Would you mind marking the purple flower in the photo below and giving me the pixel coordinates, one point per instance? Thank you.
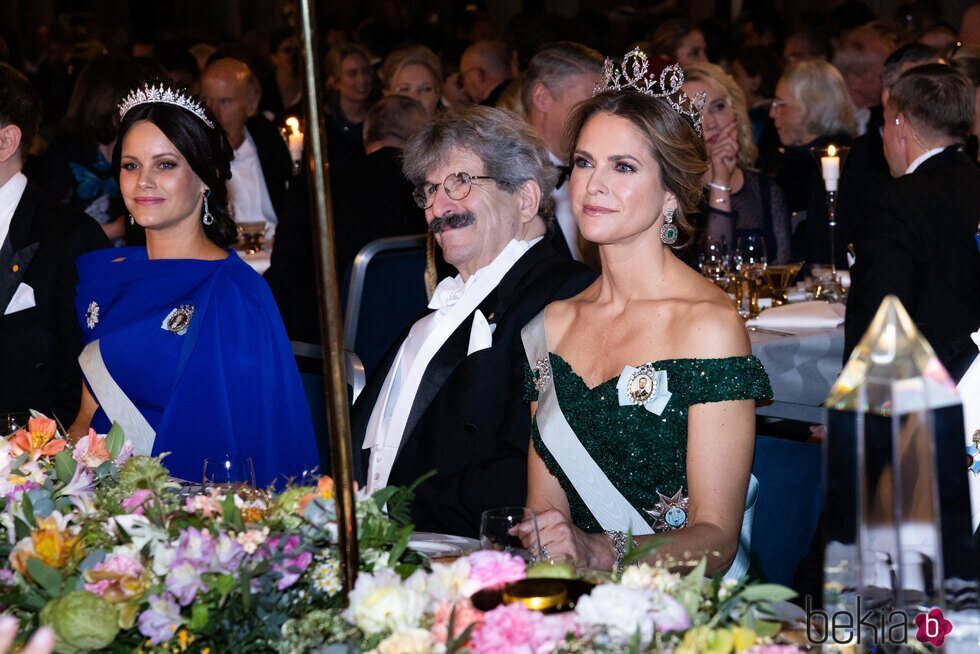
(196, 545)
(292, 567)
(137, 501)
(228, 555)
(159, 623)
(184, 581)
(7, 577)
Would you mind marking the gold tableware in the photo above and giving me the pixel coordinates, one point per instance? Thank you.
(779, 277)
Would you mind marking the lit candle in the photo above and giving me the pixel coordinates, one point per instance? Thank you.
(294, 139)
(831, 168)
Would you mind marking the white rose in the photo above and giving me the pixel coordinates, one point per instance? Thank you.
(451, 582)
(646, 577)
(413, 641)
(619, 612)
(380, 602)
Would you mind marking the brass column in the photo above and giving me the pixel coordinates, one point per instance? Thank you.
(331, 326)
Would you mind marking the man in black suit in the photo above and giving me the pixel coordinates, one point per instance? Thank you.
(449, 397)
(40, 338)
(262, 167)
(918, 241)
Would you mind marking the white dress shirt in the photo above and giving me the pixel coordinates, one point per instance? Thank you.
(453, 302)
(10, 194)
(247, 193)
(563, 213)
(921, 159)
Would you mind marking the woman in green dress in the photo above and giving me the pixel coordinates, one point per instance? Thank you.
(643, 386)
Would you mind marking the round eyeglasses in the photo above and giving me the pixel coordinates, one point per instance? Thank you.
(457, 187)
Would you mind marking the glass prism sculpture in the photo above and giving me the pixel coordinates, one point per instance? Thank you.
(898, 534)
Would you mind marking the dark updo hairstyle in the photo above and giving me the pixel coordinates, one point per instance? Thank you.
(674, 144)
(206, 150)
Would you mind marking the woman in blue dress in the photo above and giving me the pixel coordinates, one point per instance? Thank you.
(184, 346)
(643, 384)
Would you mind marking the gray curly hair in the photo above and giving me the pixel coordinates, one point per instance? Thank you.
(510, 150)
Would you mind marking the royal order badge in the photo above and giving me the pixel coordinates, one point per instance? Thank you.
(972, 452)
(669, 513)
(178, 320)
(642, 385)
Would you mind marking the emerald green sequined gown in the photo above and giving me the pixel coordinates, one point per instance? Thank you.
(641, 453)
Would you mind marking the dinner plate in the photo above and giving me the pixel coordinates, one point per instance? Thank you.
(442, 544)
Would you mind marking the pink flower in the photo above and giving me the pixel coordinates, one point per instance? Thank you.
(91, 450)
(774, 649)
(508, 629)
(465, 615)
(118, 578)
(491, 568)
(136, 502)
(292, 567)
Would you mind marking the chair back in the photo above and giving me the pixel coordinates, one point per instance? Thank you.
(386, 295)
(788, 508)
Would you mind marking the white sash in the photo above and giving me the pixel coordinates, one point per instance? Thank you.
(610, 508)
(117, 406)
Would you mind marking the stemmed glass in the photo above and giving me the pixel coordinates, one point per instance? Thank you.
(714, 262)
(497, 531)
(751, 262)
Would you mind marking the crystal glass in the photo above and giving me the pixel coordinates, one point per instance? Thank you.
(497, 531)
(751, 262)
(229, 470)
(252, 235)
(714, 260)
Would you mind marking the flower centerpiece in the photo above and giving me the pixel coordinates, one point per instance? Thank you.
(102, 546)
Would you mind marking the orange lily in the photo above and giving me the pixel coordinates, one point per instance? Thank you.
(52, 545)
(324, 489)
(38, 440)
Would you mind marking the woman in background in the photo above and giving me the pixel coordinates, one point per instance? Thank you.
(350, 83)
(414, 71)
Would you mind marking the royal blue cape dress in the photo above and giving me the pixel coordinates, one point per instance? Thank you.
(222, 383)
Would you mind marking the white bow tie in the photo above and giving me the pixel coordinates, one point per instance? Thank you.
(448, 292)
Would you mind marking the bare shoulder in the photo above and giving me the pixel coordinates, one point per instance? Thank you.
(713, 329)
(558, 315)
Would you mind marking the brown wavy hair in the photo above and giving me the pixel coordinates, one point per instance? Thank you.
(678, 150)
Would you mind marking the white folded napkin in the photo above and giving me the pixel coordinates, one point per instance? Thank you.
(23, 299)
(969, 390)
(481, 334)
(803, 315)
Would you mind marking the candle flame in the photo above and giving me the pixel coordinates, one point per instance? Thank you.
(293, 124)
(831, 151)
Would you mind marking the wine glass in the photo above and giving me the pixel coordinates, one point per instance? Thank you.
(751, 262)
(229, 471)
(11, 422)
(497, 531)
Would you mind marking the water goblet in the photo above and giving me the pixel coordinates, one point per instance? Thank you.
(497, 532)
(229, 471)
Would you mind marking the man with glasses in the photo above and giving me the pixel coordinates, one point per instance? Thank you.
(449, 398)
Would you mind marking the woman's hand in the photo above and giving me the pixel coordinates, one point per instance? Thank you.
(41, 643)
(563, 541)
(723, 155)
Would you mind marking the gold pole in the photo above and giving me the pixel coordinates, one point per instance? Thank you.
(331, 331)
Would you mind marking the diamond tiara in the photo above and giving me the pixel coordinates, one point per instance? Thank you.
(163, 94)
(632, 74)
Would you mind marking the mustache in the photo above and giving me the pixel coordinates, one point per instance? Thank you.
(452, 221)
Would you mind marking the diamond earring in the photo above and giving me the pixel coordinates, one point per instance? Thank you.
(132, 221)
(208, 218)
(668, 231)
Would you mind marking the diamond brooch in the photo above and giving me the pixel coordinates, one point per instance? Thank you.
(642, 385)
(542, 374)
(92, 315)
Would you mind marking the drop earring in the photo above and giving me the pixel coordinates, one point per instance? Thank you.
(208, 218)
(668, 231)
(132, 221)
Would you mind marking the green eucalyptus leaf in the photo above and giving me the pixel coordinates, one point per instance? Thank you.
(46, 577)
(64, 466)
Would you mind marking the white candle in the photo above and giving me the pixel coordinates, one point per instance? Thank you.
(831, 169)
(295, 139)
